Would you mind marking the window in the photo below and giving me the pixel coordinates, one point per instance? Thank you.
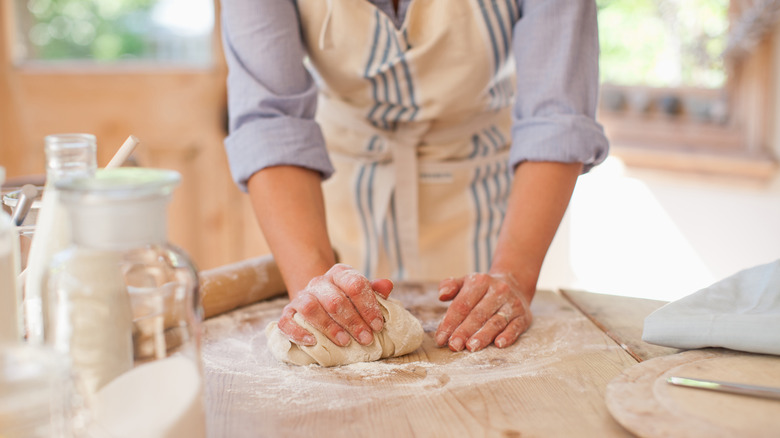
(663, 43)
(685, 82)
(162, 32)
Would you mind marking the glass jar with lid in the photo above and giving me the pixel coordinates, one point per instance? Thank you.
(124, 306)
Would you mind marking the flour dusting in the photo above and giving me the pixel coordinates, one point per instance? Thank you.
(235, 352)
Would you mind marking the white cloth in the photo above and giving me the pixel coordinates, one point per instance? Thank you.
(741, 312)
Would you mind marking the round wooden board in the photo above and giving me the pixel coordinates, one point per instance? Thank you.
(643, 402)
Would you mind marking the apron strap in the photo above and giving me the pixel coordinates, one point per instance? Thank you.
(407, 204)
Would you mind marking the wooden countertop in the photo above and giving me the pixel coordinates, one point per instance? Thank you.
(550, 383)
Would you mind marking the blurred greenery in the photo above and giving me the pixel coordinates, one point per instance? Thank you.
(663, 43)
(79, 29)
(170, 31)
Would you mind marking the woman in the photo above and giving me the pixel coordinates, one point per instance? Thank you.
(449, 135)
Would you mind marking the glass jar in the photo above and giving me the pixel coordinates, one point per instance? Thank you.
(36, 399)
(67, 156)
(27, 228)
(125, 306)
(10, 332)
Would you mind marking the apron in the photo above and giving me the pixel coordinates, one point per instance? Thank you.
(417, 122)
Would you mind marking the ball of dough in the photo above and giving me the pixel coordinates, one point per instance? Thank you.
(402, 334)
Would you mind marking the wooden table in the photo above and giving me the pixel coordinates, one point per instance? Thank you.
(550, 383)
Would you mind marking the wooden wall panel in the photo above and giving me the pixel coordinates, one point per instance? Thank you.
(177, 114)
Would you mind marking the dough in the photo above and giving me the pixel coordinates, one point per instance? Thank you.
(401, 335)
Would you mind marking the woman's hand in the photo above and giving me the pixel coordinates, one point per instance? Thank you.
(486, 309)
(341, 304)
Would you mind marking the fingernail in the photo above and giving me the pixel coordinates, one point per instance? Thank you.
(456, 344)
(501, 343)
(473, 345)
(342, 339)
(309, 340)
(441, 339)
(365, 338)
(377, 324)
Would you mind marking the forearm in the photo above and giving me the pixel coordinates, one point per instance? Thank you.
(540, 194)
(289, 206)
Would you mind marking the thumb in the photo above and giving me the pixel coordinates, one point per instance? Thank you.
(383, 287)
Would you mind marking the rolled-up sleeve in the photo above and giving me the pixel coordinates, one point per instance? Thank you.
(555, 45)
(272, 98)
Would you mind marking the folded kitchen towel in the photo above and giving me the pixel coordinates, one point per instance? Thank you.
(741, 312)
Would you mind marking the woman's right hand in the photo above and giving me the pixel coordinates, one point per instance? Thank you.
(341, 304)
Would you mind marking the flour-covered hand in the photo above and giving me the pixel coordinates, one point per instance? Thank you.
(485, 309)
(341, 304)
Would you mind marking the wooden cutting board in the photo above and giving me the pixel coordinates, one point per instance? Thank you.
(550, 383)
(642, 401)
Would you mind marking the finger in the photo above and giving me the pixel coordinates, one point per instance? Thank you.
(292, 330)
(358, 290)
(340, 308)
(474, 288)
(513, 330)
(309, 306)
(487, 307)
(339, 269)
(449, 287)
(383, 287)
(485, 335)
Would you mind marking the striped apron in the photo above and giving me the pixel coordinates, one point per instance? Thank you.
(417, 123)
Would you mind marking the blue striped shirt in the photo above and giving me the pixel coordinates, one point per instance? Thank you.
(272, 98)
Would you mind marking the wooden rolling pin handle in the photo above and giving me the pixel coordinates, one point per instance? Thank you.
(238, 284)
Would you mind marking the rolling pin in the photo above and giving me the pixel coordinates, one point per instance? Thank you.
(222, 289)
(238, 284)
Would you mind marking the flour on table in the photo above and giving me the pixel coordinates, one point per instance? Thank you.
(402, 334)
(235, 353)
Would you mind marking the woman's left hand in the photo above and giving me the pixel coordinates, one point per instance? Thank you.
(485, 309)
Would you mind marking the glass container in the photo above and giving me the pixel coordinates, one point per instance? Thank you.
(26, 229)
(67, 156)
(125, 306)
(10, 332)
(36, 398)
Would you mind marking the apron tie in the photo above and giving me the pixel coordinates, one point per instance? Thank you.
(325, 41)
(405, 169)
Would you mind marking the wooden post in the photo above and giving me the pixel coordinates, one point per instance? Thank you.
(11, 138)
